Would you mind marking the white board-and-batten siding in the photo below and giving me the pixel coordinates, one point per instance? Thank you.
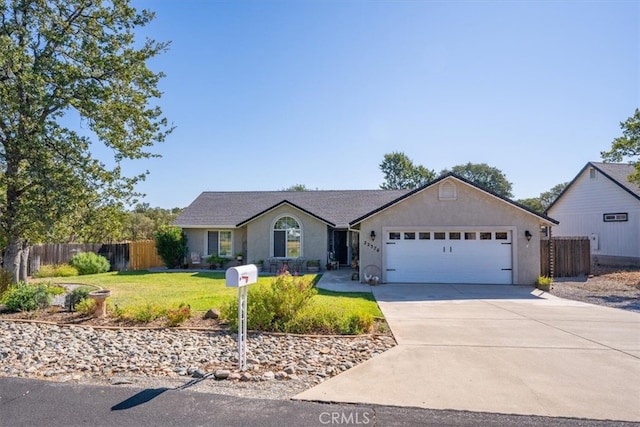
(581, 208)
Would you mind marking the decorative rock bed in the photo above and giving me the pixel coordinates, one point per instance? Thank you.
(64, 353)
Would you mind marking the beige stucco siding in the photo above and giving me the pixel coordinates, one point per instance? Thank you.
(260, 235)
(472, 209)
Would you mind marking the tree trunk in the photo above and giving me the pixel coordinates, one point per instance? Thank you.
(24, 262)
(11, 261)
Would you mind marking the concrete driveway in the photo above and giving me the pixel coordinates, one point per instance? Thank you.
(500, 349)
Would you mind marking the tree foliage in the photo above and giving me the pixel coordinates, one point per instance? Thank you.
(400, 172)
(171, 243)
(627, 146)
(143, 221)
(72, 77)
(297, 187)
(485, 176)
(541, 203)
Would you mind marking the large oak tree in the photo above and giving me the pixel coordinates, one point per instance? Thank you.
(627, 146)
(400, 173)
(485, 176)
(73, 77)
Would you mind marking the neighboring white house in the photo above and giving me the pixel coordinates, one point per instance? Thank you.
(604, 205)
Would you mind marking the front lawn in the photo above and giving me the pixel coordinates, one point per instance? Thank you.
(202, 291)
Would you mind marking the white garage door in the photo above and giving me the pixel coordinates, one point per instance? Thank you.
(473, 256)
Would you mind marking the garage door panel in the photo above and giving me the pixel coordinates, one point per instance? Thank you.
(472, 257)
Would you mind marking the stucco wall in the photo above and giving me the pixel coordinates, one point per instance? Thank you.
(471, 208)
(260, 236)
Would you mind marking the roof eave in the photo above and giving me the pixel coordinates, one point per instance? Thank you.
(277, 205)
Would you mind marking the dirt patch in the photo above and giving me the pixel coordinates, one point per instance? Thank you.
(607, 286)
(58, 316)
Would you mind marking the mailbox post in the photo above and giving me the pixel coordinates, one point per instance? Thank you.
(241, 277)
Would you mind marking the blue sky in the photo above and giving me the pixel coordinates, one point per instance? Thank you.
(267, 94)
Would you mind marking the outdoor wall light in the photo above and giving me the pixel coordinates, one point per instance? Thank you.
(373, 235)
(527, 234)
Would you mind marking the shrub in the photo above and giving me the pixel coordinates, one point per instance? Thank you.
(326, 320)
(90, 263)
(86, 306)
(359, 323)
(544, 281)
(77, 296)
(314, 319)
(141, 313)
(178, 315)
(24, 297)
(56, 289)
(272, 307)
(171, 243)
(59, 270)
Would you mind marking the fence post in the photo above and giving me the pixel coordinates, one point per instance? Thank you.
(551, 255)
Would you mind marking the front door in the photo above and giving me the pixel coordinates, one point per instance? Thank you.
(340, 246)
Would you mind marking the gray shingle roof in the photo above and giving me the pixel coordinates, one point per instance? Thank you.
(619, 172)
(229, 209)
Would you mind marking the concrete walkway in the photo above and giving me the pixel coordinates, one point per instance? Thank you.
(498, 349)
(341, 281)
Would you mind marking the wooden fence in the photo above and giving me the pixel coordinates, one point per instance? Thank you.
(143, 255)
(565, 256)
(139, 255)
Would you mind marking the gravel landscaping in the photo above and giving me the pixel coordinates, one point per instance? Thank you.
(608, 287)
(279, 366)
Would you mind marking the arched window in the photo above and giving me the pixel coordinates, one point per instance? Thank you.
(287, 237)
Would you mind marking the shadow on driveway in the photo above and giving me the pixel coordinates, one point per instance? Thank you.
(408, 292)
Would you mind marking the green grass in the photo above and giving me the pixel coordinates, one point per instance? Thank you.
(201, 291)
(348, 301)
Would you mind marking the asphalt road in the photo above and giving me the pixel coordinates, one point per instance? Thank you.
(33, 403)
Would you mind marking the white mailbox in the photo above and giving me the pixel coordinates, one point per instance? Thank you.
(242, 275)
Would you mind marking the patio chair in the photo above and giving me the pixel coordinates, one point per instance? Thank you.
(195, 259)
(299, 264)
(273, 263)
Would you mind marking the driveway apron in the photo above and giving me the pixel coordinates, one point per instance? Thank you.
(500, 349)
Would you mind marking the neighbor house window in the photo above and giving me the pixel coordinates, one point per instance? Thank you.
(287, 237)
(220, 243)
(615, 217)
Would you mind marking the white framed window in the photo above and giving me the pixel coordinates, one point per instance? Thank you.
(287, 238)
(615, 217)
(220, 242)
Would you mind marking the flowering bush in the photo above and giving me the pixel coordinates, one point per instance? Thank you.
(272, 307)
(178, 315)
